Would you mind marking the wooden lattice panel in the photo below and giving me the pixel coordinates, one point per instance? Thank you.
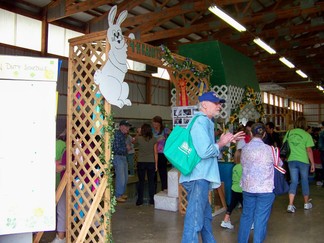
(222, 92)
(193, 84)
(88, 197)
(182, 200)
(216, 199)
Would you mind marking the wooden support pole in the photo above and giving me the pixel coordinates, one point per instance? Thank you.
(219, 195)
(58, 195)
(93, 209)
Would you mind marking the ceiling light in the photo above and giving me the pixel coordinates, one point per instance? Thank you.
(263, 45)
(227, 18)
(286, 62)
(320, 87)
(302, 74)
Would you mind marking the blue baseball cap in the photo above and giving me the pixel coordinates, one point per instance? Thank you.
(210, 96)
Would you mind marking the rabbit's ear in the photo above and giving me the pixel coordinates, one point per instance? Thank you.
(112, 15)
(122, 16)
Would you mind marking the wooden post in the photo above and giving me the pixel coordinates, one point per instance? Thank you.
(90, 215)
(58, 195)
(219, 197)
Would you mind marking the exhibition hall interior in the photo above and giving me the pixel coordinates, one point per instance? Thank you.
(78, 77)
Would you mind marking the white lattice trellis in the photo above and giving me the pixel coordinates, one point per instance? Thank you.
(233, 96)
(236, 95)
(222, 92)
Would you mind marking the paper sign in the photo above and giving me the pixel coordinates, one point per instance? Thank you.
(28, 68)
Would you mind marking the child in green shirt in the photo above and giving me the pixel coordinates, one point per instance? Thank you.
(236, 196)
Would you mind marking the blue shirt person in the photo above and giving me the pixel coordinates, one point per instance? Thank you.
(205, 176)
(120, 161)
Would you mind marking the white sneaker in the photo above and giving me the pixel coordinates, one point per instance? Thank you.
(308, 206)
(319, 183)
(227, 225)
(58, 240)
(291, 209)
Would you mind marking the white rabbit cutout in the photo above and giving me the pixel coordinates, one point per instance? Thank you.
(111, 78)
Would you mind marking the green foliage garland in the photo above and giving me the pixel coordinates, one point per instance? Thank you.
(228, 152)
(109, 128)
(169, 61)
(249, 97)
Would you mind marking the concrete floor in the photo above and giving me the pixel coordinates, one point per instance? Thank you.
(144, 224)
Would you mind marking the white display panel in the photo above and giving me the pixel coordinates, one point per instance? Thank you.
(27, 155)
(181, 115)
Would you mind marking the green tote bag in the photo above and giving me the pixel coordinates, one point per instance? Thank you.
(179, 149)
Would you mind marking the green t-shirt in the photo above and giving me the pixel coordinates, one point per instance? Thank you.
(299, 140)
(236, 178)
(60, 147)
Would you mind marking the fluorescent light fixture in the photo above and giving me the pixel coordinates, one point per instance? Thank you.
(227, 18)
(286, 62)
(300, 73)
(320, 87)
(263, 45)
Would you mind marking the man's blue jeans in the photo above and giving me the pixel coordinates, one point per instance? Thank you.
(130, 161)
(296, 168)
(257, 210)
(121, 174)
(198, 213)
(322, 161)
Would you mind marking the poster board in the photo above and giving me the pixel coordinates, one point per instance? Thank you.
(181, 115)
(27, 142)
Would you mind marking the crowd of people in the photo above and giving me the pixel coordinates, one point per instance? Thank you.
(252, 175)
(151, 163)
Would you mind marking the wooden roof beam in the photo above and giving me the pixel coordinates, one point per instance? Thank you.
(125, 5)
(229, 2)
(281, 46)
(183, 31)
(199, 27)
(271, 33)
(167, 13)
(282, 14)
(11, 7)
(66, 8)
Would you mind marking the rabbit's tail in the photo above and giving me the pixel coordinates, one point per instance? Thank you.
(97, 77)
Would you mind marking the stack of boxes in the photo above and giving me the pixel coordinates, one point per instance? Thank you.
(168, 200)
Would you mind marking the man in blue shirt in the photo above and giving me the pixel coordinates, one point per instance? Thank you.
(205, 176)
(120, 160)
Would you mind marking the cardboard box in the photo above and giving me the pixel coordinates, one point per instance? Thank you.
(164, 202)
(173, 183)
